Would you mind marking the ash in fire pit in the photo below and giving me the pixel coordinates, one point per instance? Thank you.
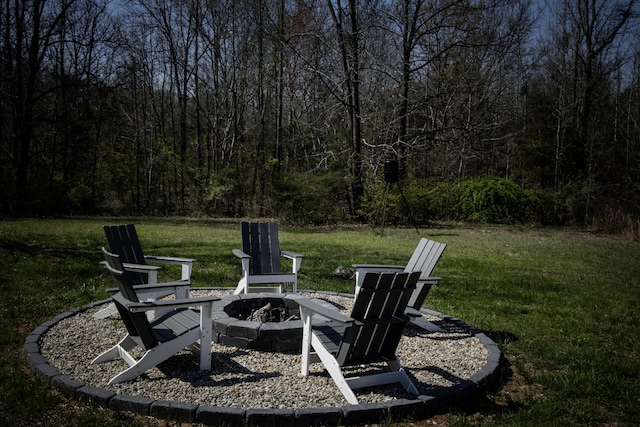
(265, 322)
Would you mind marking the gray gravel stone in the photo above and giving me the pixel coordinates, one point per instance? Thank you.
(243, 379)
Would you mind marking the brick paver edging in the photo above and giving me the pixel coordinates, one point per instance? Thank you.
(422, 407)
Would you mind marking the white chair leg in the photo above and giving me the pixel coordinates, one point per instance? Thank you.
(407, 383)
(205, 336)
(154, 356)
(133, 371)
(332, 366)
(306, 340)
(242, 287)
(396, 366)
(125, 344)
(182, 292)
(186, 271)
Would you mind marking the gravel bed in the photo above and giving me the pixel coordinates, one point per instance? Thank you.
(252, 379)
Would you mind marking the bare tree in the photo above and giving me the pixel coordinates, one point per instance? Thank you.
(29, 33)
(459, 65)
(585, 47)
(56, 55)
(589, 37)
(347, 26)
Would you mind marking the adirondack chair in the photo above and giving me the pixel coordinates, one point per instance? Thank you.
(180, 328)
(123, 240)
(260, 256)
(424, 259)
(370, 335)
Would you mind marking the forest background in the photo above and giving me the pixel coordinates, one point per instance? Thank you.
(496, 110)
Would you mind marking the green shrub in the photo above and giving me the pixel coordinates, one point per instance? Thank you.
(493, 200)
(423, 202)
(488, 200)
(437, 202)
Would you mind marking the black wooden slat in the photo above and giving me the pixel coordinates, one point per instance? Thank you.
(174, 324)
(163, 333)
(260, 242)
(123, 241)
(127, 239)
(274, 247)
(422, 290)
(330, 334)
(380, 301)
(265, 256)
(361, 305)
(406, 296)
(189, 319)
(361, 351)
(133, 244)
(379, 339)
(393, 335)
(349, 340)
(398, 289)
(254, 237)
(132, 322)
(246, 241)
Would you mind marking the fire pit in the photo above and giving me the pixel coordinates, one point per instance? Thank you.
(266, 322)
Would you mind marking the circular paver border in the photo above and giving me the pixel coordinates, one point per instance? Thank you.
(422, 407)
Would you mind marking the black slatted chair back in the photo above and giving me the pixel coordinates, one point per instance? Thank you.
(379, 318)
(123, 241)
(260, 241)
(137, 324)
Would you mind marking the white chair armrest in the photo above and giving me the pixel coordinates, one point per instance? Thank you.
(378, 267)
(297, 260)
(291, 255)
(137, 307)
(141, 268)
(187, 263)
(169, 259)
(240, 254)
(168, 286)
(150, 270)
(329, 313)
(245, 259)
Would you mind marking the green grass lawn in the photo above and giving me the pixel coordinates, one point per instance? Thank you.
(562, 304)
